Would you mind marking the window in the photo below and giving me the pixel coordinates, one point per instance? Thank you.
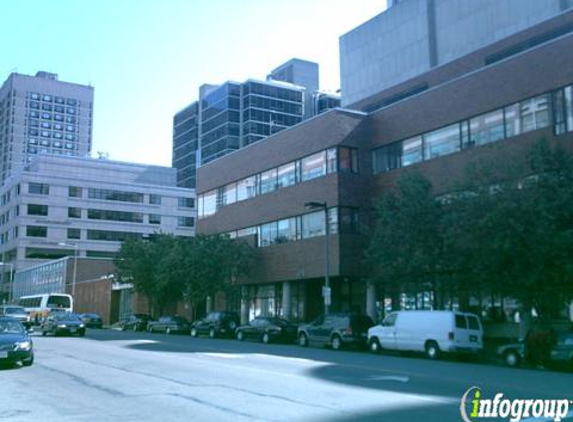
(74, 192)
(268, 181)
(74, 233)
(443, 141)
(39, 188)
(461, 322)
(185, 221)
(208, 204)
(36, 231)
(109, 215)
(487, 128)
(247, 188)
(268, 234)
(74, 212)
(312, 224)
(313, 166)
(114, 195)
(154, 219)
(112, 236)
(154, 199)
(229, 194)
(186, 202)
(36, 209)
(331, 162)
(287, 230)
(286, 175)
(535, 113)
(347, 160)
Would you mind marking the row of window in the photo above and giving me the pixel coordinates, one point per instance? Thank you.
(534, 113)
(33, 114)
(106, 194)
(48, 125)
(35, 105)
(50, 134)
(51, 98)
(340, 159)
(340, 220)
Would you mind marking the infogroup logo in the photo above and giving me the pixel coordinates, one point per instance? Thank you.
(474, 406)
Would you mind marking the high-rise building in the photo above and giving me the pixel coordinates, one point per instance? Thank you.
(233, 115)
(414, 36)
(41, 114)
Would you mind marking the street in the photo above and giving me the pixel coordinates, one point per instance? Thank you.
(125, 376)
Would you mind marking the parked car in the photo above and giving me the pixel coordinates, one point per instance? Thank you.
(18, 312)
(216, 324)
(267, 329)
(169, 324)
(63, 323)
(431, 332)
(92, 320)
(15, 344)
(335, 330)
(559, 352)
(135, 322)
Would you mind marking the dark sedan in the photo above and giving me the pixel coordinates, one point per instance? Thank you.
(63, 323)
(558, 352)
(15, 344)
(135, 322)
(169, 324)
(267, 329)
(92, 320)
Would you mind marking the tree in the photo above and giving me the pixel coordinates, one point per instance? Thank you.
(405, 248)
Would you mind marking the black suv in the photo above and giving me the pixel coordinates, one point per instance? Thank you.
(336, 330)
(216, 324)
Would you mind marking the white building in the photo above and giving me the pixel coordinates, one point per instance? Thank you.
(61, 206)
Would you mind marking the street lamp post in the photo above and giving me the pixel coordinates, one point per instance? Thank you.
(75, 246)
(326, 289)
(10, 287)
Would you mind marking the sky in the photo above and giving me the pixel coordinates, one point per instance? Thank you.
(147, 58)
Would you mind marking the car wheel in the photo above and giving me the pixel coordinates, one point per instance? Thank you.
(240, 335)
(302, 340)
(193, 332)
(511, 358)
(374, 345)
(28, 362)
(212, 333)
(266, 338)
(336, 342)
(432, 350)
(168, 330)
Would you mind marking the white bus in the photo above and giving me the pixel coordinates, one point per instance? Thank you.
(38, 306)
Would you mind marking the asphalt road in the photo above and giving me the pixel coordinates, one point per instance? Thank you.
(121, 376)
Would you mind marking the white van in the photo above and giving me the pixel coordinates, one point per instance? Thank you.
(432, 332)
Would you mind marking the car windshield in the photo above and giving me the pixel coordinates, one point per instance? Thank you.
(11, 327)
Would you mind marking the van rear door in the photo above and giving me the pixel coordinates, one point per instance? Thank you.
(467, 331)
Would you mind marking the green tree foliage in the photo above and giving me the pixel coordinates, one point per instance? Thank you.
(169, 268)
(506, 230)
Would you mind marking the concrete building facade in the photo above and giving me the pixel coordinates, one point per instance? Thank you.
(414, 36)
(41, 114)
(70, 206)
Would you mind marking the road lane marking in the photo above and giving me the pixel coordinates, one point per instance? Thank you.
(388, 378)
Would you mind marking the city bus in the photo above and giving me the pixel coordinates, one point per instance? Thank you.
(39, 306)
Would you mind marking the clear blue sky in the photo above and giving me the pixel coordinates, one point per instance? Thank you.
(147, 58)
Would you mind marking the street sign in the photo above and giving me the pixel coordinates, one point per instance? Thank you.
(326, 294)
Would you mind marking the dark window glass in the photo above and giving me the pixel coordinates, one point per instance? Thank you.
(155, 199)
(74, 212)
(461, 322)
(39, 188)
(185, 221)
(75, 192)
(36, 209)
(74, 233)
(186, 202)
(36, 231)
